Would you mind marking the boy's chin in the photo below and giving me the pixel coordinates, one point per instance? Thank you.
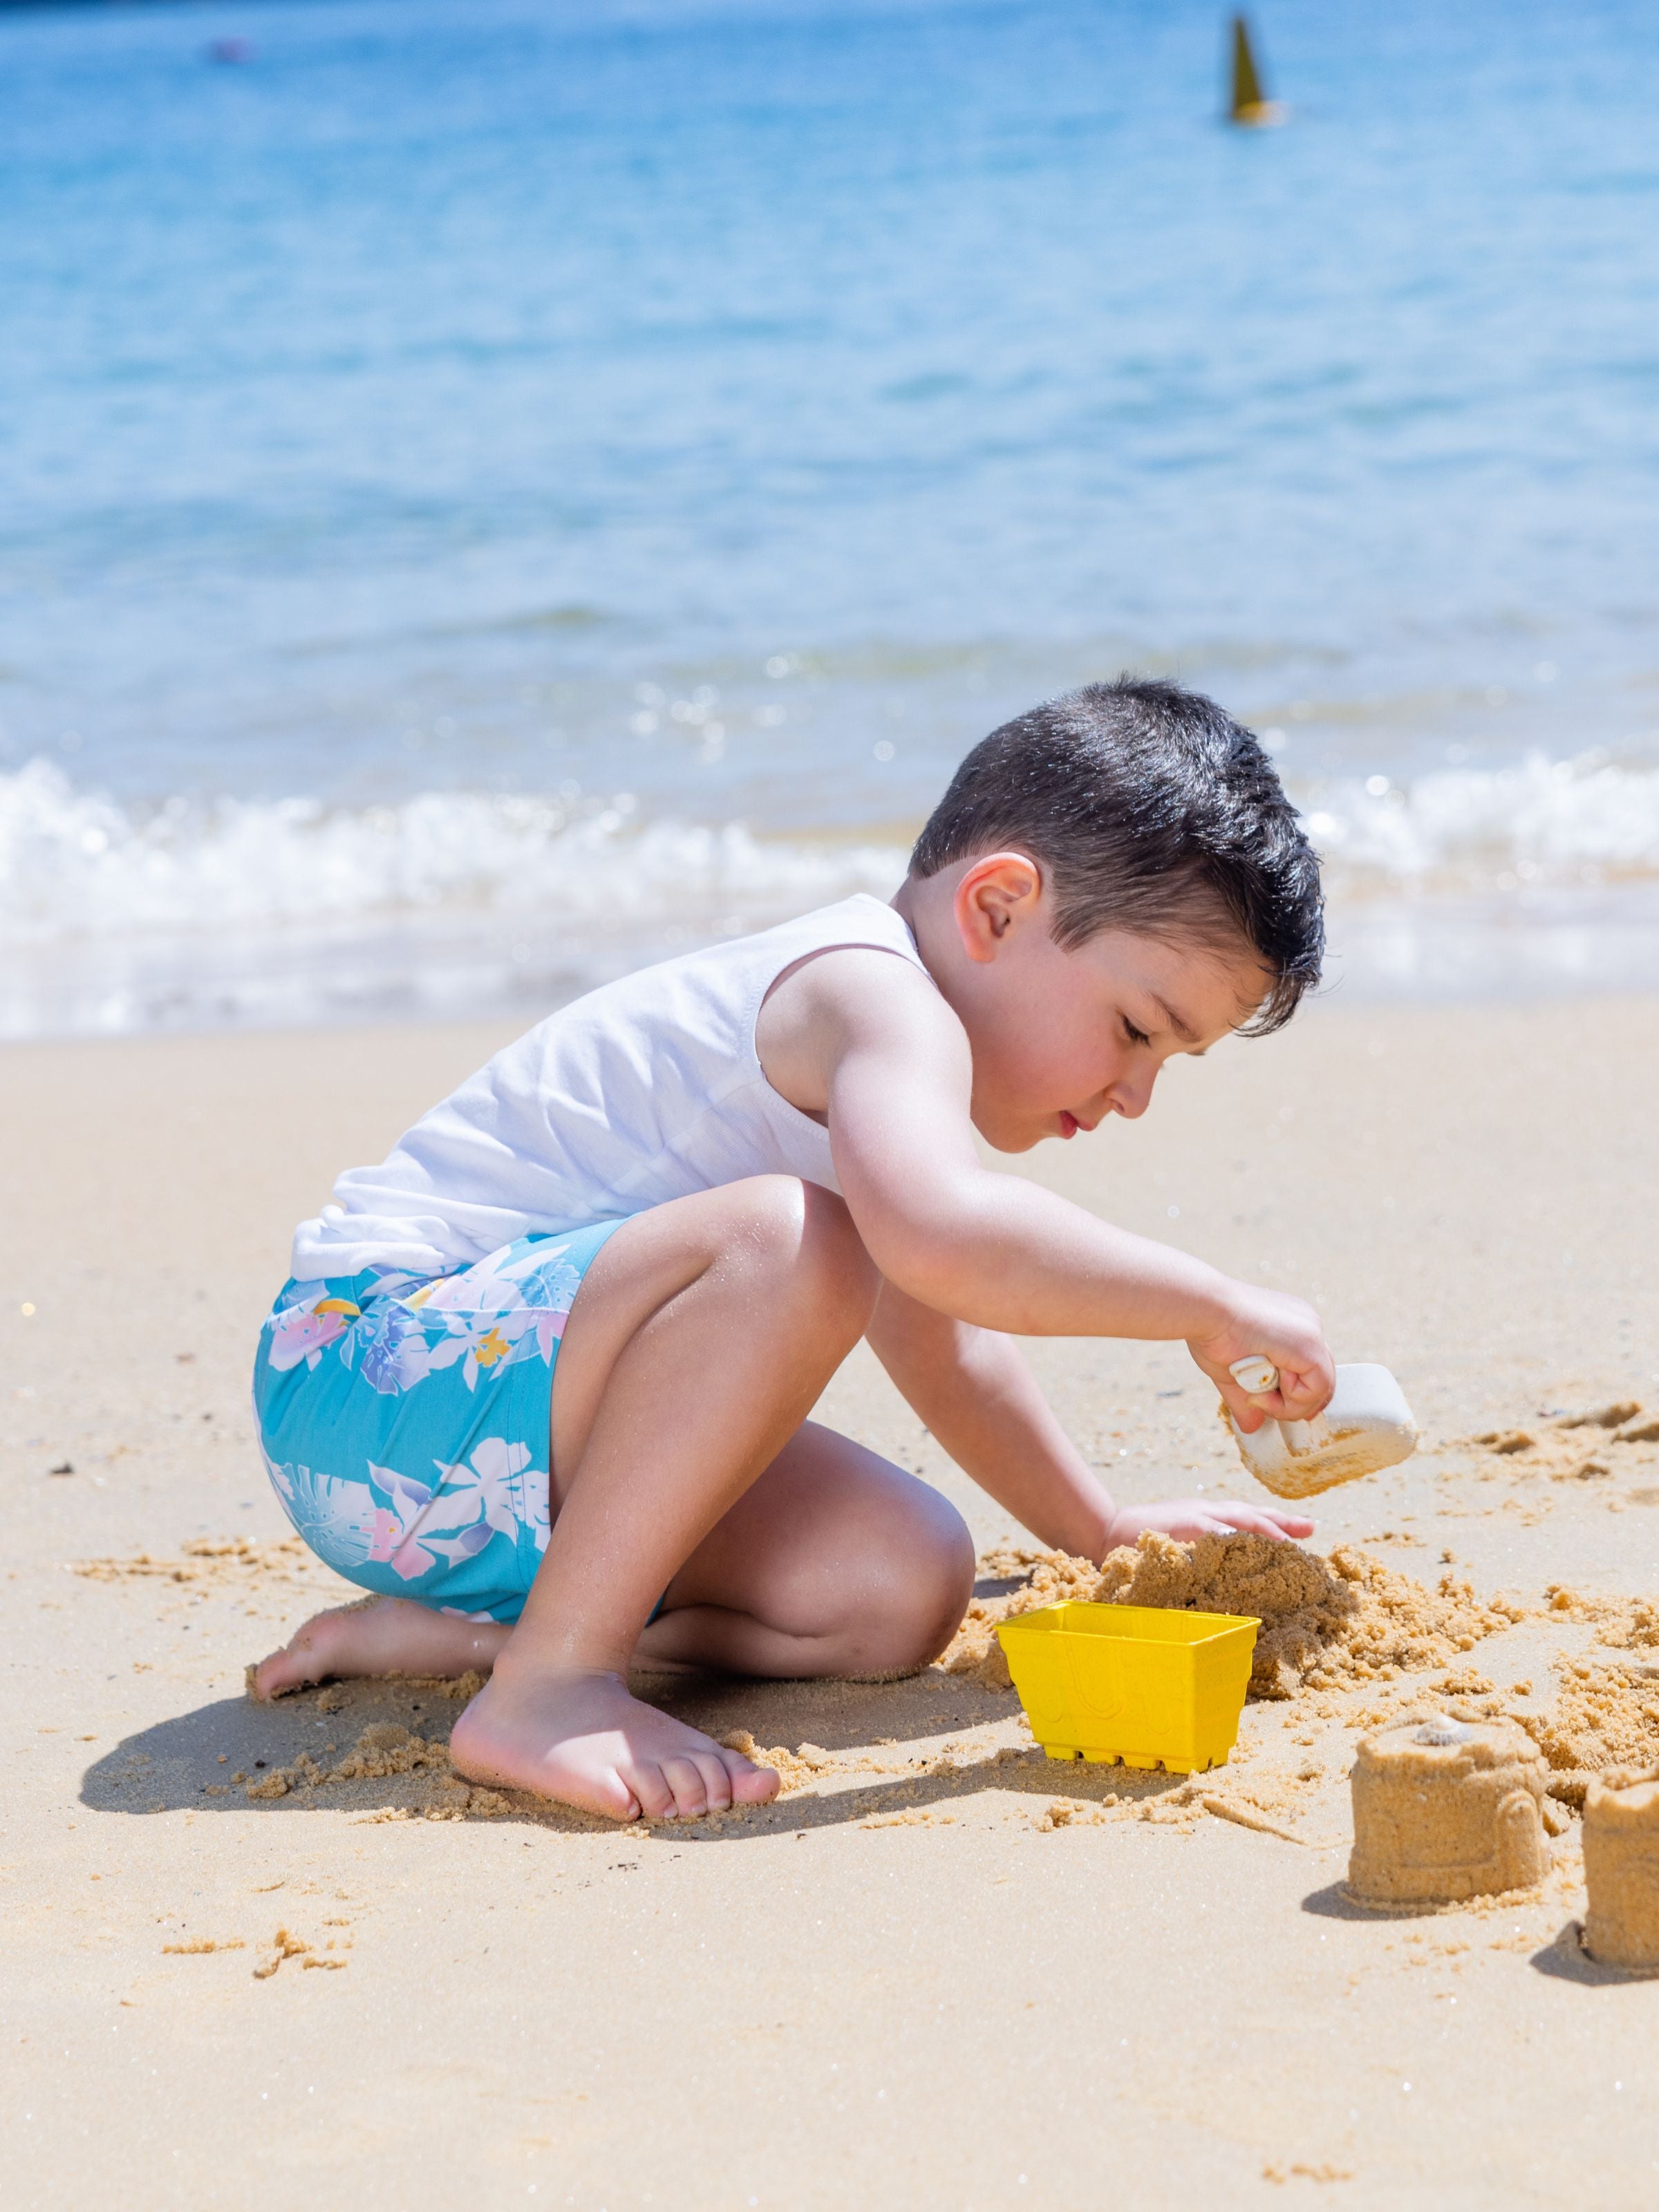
(1012, 1136)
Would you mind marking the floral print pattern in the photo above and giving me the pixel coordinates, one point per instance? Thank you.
(404, 1420)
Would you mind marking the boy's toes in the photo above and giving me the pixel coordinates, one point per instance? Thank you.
(712, 1785)
(684, 1774)
(652, 1791)
(613, 1799)
(716, 1781)
(749, 1784)
(274, 1677)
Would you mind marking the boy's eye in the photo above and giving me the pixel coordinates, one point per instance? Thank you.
(1134, 1035)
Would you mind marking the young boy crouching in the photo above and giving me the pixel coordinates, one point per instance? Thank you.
(541, 1380)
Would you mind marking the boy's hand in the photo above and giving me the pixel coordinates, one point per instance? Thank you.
(1283, 1329)
(1187, 1517)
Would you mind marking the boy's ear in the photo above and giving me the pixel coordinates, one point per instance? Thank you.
(996, 898)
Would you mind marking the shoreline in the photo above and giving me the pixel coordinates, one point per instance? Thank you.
(1430, 949)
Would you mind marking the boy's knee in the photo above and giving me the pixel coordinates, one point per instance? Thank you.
(947, 1583)
(930, 1582)
(809, 1232)
(833, 1248)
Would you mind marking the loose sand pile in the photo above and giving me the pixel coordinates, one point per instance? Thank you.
(289, 1946)
(386, 1748)
(1326, 1623)
(1588, 1446)
(206, 1560)
(1335, 1623)
(794, 1768)
(1605, 1716)
(1624, 1624)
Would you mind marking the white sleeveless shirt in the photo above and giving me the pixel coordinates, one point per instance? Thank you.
(645, 1090)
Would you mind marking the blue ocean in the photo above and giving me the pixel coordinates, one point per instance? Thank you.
(492, 490)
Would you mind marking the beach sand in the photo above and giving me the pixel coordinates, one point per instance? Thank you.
(940, 1970)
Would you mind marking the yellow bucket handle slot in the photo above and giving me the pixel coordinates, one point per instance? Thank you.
(1109, 1660)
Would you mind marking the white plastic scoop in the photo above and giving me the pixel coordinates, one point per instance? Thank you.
(1367, 1426)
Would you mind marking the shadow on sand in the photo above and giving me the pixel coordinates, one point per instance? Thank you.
(1334, 1903)
(1565, 1960)
(187, 1763)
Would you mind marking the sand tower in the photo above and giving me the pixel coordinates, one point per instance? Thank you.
(1621, 1866)
(1445, 1809)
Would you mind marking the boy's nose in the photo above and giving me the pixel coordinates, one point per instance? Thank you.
(1132, 1095)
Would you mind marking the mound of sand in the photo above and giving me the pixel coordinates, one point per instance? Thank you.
(1624, 1624)
(1604, 1718)
(384, 1749)
(1325, 1622)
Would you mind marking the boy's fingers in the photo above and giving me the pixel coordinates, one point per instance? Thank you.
(1263, 1521)
(1293, 1524)
(1302, 1401)
(1241, 1522)
(1250, 1412)
(1307, 1389)
(1298, 1398)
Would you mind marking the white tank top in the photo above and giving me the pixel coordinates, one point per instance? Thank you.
(647, 1089)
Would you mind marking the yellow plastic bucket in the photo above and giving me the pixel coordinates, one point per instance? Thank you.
(1140, 1683)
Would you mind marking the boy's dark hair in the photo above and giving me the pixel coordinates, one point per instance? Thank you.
(1151, 811)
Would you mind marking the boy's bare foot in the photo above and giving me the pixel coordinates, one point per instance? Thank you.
(386, 1636)
(581, 1738)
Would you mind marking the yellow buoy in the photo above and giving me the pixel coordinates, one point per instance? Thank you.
(1248, 107)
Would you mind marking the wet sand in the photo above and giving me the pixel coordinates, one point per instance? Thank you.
(940, 1970)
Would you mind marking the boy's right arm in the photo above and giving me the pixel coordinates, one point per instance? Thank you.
(996, 1250)
(977, 1397)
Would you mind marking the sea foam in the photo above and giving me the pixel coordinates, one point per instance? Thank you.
(1541, 821)
(78, 864)
(119, 916)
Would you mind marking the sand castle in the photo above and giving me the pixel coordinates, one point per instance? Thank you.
(1621, 1866)
(1445, 1809)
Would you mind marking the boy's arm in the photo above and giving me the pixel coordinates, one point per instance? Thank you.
(888, 1062)
(979, 1399)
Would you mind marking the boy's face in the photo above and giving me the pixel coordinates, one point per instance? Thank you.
(1062, 1039)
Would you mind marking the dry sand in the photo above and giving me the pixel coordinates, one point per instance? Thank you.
(269, 1957)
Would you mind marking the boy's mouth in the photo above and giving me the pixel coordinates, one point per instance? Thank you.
(1069, 1124)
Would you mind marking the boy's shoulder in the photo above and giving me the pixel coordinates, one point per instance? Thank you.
(818, 972)
(847, 999)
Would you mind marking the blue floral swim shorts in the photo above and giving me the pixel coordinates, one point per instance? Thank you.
(403, 1419)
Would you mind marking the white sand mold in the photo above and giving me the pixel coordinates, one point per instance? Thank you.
(1367, 1426)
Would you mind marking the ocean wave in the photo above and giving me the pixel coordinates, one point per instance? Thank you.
(1540, 822)
(79, 864)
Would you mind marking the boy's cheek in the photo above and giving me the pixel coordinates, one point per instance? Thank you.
(1018, 1097)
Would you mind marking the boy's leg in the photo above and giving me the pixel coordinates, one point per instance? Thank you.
(703, 1333)
(379, 1636)
(834, 1561)
(729, 1308)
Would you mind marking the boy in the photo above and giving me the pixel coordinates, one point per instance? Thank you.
(723, 1171)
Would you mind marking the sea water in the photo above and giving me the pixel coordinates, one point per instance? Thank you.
(491, 490)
